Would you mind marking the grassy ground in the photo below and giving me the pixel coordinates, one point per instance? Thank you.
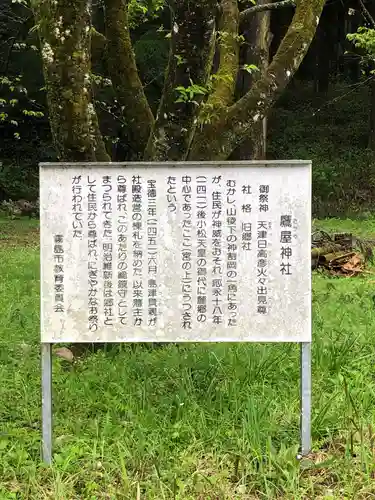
(191, 421)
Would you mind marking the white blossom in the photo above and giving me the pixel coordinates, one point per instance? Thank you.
(47, 53)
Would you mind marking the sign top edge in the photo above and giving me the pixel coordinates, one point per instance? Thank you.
(243, 163)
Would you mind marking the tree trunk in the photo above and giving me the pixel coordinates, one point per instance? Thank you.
(125, 79)
(219, 138)
(325, 49)
(254, 51)
(190, 60)
(371, 137)
(64, 32)
(224, 78)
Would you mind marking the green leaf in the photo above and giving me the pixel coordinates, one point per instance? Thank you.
(250, 68)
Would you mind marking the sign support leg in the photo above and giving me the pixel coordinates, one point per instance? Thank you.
(305, 398)
(46, 354)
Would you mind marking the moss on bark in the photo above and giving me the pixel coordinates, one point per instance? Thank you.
(224, 81)
(125, 78)
(64, 31)
(218, 139)
(255, 50)
(192, 39)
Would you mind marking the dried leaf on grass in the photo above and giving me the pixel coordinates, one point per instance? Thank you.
(348, 265)
(355, 264)
(65, 353)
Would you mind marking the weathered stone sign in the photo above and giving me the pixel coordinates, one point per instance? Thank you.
(175, 252)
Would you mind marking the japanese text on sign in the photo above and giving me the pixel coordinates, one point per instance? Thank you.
(185, 252)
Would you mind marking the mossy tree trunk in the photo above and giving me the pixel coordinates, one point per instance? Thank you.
(255, 51)
(190, 60)
(198, 116)
(123, 71)
(224, 79)
(64, 32)
(218, 139)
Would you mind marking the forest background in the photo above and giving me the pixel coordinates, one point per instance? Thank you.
(326, 112)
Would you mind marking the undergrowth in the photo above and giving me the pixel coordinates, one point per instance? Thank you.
(199, 421)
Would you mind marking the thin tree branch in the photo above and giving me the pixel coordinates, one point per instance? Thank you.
(98, 40)
(267, 6)
(367, 14)
(13, 41)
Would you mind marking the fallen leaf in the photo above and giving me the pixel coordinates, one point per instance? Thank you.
(354, 264)
(65, 353)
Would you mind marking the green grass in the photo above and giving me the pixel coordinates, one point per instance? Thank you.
(208, 421)
(331, 129)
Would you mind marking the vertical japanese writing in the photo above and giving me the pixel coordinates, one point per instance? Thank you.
(262, 276)
(92, 243)
(246, 226)
(122, 249)
(186, 253)
(232, 257)
(152, 233)
(58, 257)
(171, 194)
(107, 209)
(77, 211)
(286, 242)
(201, 192)
(263, 197)
(137, 228)
(217, 251)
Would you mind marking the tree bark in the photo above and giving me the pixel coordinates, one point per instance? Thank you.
(224, 80)
(264, 7)
(325, 48)
(125, 78)
(190, 60)
(370, 15)
(255, 51)
(218, 139)
(64, 32)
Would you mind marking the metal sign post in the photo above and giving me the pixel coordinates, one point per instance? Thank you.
(176, 252)
(305, 420)
(306, 393)
(46, 355)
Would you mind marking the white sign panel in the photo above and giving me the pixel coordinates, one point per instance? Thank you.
(184, 252)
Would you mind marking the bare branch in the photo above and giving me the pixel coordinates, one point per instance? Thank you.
(367, 14)
(244, 15)
(98, 40)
